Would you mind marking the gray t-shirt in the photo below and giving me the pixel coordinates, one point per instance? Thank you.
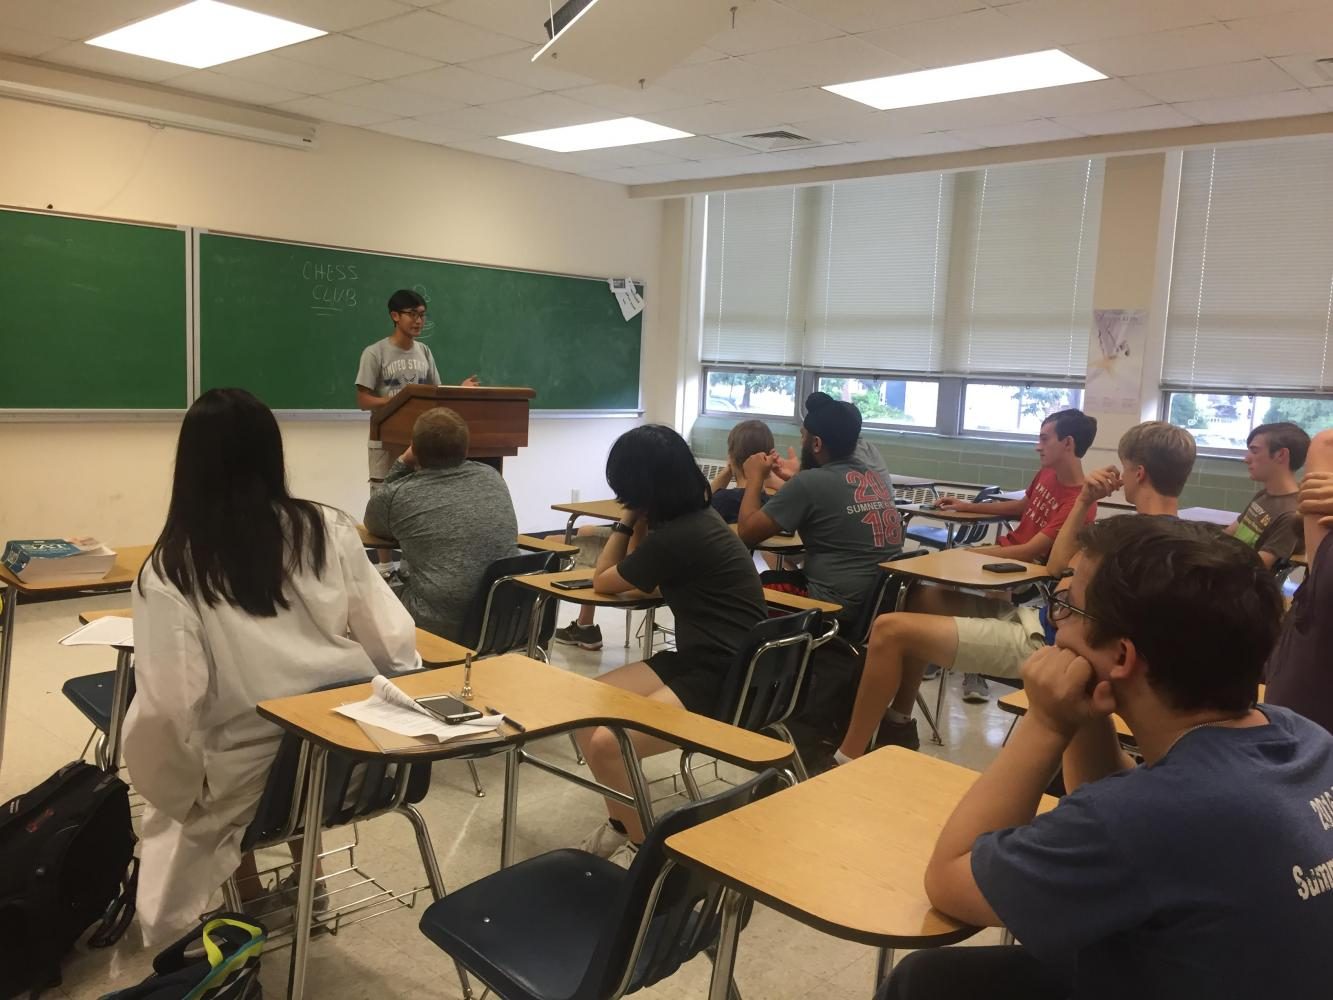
(847, 519)
(451, 524)
(868, 455)
(1273, 524)
(385, 369)
(1206, 874)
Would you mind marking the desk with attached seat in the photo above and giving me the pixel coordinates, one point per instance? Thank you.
(951, 518)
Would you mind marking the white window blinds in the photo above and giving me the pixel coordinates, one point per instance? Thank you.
(879, 274)
(1025, 251)
(749, 316)
(1252, 281)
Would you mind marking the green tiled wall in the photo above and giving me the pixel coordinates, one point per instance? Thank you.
(1215, 482)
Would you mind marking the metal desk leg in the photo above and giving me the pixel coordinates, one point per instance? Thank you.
(649, 630)
(11, 599)
(950, 531)
(316, 766)
(883, 966)
(509, 817)
(535, 626)
(120, 700)
(569, 529)
(637, 782)
(724, 962)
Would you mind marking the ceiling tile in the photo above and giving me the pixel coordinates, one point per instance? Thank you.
(1017, 133)
(1227, 10)
(834, 60)
(699, 147)
(723, 79)
(1081, 98)
(694, 170)
(1128, 120)
(1258, 76)
(460, 84)
(1287, 34)
(360, 58)
(331, 15)
(332, 111)
(768, 25)
(275, 71)
(961, 38)
(78, 20)
(1305, 71)
(519, 67)
(1061, 22)
(481, 122)
(856, 16)
(517, 20)
(1238, 109)
(394, 100)
(1325, 95)
(548, 111)
(632, 100)
(438, 37)
(28, 43)
(622, 175)
(975, 113)
(713, 119)
(909, 145)
(231, 88)
(113, 63)
(497, 148)
(704, 54)
(1180, 48)
(849, 128)
(410, 128)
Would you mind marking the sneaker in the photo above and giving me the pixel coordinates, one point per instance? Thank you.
(583, 636)
(286, 891)
(933, 671)
(897, 734)
(604, 841)
(975, 689)
(624, 855)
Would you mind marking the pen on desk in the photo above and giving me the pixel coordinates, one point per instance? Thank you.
(517, 725)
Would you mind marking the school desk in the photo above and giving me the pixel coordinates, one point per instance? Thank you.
(545, 701)
(602, 510)
(1017, 704)
(951, 518)
(844, 852)
(529, 543)
(1209, 515)
(129, 560)
(435, 651)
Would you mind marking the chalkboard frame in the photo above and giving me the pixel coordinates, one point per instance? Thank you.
(351, 413)
(123, 414)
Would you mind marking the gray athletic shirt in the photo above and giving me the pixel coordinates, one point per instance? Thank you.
(451, 524)
(385, 369)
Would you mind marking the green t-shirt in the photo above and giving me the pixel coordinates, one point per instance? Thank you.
(1273, 524)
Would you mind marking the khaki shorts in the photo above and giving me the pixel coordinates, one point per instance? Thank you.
(998, 646)
(381, 458)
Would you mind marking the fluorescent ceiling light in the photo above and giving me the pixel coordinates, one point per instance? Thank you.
(205, 33)
(1032, 71)
(597, 135)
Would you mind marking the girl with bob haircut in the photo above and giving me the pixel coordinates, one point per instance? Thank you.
(249, 594)
(708, 579)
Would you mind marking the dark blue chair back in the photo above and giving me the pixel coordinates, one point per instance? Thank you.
(766, 677)
(500, 616)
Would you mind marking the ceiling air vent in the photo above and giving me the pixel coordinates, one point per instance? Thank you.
(771, 142)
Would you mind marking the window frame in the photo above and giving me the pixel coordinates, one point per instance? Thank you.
(820, 373)
(708, 369)
(1003, 380)
(1215, 451)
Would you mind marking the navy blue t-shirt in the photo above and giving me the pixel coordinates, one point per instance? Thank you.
(1207, 874)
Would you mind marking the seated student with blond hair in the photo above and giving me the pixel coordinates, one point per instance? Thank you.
(1205, 872)
(1156, 459)
(451, 517)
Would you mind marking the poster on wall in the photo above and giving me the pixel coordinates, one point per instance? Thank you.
(1115, 361)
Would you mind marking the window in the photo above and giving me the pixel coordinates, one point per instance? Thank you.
(1252, 277)
(1223, 421)
(993, 408)
(887, 401)
(761, 393)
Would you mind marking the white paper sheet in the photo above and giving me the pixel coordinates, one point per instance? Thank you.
(110, 631)
(389, 707)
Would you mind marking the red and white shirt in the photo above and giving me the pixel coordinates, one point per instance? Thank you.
(1049, 503)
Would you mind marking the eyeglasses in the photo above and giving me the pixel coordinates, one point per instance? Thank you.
(1058, 607)
(413, 313)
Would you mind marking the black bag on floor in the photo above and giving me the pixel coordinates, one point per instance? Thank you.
(219, 960)
(821, 716)
(66, 853)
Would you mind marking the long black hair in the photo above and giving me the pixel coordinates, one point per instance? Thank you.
(651, 469)
(233, 532)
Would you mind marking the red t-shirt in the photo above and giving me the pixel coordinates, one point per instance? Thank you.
(1049, 504)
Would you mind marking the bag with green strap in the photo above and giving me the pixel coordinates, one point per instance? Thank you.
(217, 961)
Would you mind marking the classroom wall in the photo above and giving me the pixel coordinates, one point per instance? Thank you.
(359, 189)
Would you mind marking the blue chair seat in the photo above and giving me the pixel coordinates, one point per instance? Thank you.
(936, 538)
(91, 695)
(561, 899)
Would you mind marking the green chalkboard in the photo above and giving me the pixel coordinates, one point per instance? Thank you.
(92, 314)
(288, 321)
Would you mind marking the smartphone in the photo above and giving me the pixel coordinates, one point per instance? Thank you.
(581, 584)
(929, 505)
(1004, 567)
(450, 709)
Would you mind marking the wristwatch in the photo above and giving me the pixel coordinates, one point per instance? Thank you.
(622, 527)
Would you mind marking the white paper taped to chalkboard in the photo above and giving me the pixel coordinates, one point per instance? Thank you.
(631, 302)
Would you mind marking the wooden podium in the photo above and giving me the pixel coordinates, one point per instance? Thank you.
(496, 416)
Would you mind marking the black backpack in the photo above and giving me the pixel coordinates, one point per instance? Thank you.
(66, 861)
(218, 960)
